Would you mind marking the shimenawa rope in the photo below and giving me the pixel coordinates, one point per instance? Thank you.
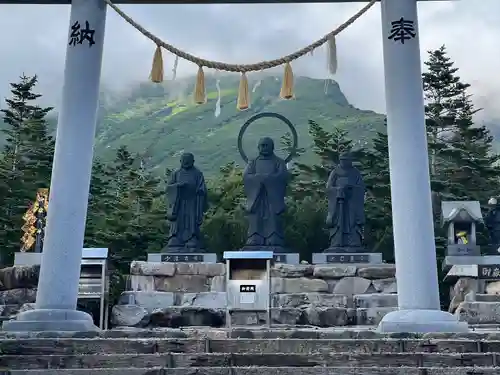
(199, 95)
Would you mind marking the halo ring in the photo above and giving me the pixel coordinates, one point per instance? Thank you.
(295, 137)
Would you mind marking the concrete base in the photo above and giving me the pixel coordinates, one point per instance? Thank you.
(343, 258)
(421, 321)
(183, 257)
(346, 250)
(51, 320)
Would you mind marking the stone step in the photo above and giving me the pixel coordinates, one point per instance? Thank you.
(268, 371)
(65, 346)
(174, 360)
(253, 332)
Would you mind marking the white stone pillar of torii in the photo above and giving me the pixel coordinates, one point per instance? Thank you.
(413, 225)
(57, 294)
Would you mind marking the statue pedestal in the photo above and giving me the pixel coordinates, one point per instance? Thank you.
(343, 258)
(183, 257)
(281, 254)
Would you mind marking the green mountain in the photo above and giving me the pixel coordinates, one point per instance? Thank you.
(160, 122)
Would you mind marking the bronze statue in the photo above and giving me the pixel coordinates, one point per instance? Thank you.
(265, 181)
(346, 197)
(187, 203)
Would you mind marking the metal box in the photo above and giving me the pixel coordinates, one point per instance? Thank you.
(248, 282)
(94, 278)
(94, 281)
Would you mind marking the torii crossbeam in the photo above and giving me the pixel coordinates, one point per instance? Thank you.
(192, 1)
(415, 253)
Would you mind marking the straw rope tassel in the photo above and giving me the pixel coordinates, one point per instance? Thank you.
(236, 67)
(287, 86)
(332, 55)
(157, 68)
(199, 89)
(243, 95)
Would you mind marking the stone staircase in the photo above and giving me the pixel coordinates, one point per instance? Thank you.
(259, 351)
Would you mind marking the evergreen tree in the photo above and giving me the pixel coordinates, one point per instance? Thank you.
(135, 223)
(463, 164)
(378, 230)
(443, 93)
(26, 162)
(225, 226)
(471, 151)
(100, 205)
(328, 146)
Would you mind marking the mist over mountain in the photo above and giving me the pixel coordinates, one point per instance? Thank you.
(159, 122)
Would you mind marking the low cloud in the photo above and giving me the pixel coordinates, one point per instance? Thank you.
(34, 39)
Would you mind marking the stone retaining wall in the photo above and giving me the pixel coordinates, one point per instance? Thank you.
(476, 301)
(17, 290)
(175, 294)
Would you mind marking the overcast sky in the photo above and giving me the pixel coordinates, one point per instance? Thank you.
(33, 40)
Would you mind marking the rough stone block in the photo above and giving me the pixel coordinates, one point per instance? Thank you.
(298, 285)
(493, 287)
(326, 316)
(203, 269)
(292, 270)
(278, 316)
(352, 285)
(462, 287)
(336, 271)
(19, 277)
(479, 312)
(27, 307)
(129, 316)
(211, 300)
(381, 271)
(305, 299)
(331, 284)
(152, 268)
(182, 283)
(17, 296)
(372, 315)
(218, 284)
(385, 285)
(142, 283)
(147, 300)
(375, 300)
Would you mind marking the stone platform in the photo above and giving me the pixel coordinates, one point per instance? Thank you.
(183, 294)
(473, 298)
(247, 351)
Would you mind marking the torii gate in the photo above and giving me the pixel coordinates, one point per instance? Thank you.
(419, 307)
